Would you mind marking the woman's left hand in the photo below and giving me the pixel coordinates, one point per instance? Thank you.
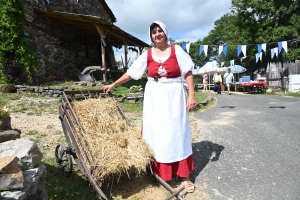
(191, 102)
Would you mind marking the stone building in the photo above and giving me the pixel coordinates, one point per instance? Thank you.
(70, 35)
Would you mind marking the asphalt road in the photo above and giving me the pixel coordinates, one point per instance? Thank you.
(248, 149)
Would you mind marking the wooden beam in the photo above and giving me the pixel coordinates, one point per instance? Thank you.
(126, 52)
(102, 34)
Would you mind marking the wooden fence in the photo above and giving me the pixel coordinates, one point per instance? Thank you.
(277, 73)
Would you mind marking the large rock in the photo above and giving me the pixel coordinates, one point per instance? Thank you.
(6, 135)
(25, 149)
(34, 189)
(11, 176)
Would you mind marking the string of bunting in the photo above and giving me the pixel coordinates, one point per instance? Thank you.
(242, 49)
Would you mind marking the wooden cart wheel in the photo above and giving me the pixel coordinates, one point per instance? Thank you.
(63, 160)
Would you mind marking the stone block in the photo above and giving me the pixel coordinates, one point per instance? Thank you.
(25, 149)
(11, 176)
(34, 189)
(6, 135)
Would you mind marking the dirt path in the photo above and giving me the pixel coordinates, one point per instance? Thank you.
(45, 128)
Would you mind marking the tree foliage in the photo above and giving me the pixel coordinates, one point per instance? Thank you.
(15, 51)
(253, 22)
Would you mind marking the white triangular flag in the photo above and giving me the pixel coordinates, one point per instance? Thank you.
(276, 51)
(222, 64)
(244, 49)
(188, 47)
(220, 49)
(260, 56)
(284, 46)
(264, 47)
(205, 49)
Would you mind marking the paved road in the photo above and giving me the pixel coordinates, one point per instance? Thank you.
(249, 149)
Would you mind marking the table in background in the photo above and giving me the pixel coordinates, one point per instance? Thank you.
(260, 86)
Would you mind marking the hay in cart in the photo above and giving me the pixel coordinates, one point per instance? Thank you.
(112, 146)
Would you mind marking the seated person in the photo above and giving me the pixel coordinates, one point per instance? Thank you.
(259, 73)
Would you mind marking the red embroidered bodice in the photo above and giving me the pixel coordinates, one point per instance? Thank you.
(170, 66)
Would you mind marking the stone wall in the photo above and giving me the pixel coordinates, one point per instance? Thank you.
(60, 48)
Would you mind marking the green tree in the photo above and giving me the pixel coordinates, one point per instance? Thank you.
(15, 51)
(253, 22)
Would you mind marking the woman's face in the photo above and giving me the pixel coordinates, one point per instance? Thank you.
(158, 35)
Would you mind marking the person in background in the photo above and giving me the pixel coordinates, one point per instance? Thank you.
(166, 126)
(205, 81)
(259, 73)
(229, 79)
(217, 79)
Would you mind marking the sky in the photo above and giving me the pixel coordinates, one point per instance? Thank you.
(189, 20)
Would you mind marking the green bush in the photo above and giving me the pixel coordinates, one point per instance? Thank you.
(15, 50)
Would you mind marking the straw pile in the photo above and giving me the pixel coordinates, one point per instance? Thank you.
(112, 146)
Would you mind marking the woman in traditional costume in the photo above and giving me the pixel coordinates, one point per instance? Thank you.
(166, 126)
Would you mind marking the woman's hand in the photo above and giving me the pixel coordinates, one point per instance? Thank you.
(107, 88)
(191, 102)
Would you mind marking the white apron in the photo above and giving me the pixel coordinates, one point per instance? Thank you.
(166, 127)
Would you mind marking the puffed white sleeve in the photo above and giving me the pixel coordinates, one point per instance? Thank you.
(138, 67)
(184, 60)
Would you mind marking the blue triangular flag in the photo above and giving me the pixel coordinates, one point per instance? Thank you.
(201, 49)
(259, 48)
(171, 43)
(239, 50)
(225, 49)
(183, 46)
(279, 47)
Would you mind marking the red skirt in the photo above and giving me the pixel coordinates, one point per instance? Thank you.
(181, 168)
(167, 170)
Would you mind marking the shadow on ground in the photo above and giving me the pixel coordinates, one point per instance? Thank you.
(204, 152)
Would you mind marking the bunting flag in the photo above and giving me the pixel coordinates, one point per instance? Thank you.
(259, 48)
(257, 57)
(225, 49)
(220, 49)
(205, 49)
(183, 46)
(103, 42)
(222, 64)
(201, 49)
(244, 49)
(188, 47)
(279, 47)
(284, 46)
(171, 43)
(231, 62)
(272, 53)
(239, 50)
(276, 51)
(260, 56)
(264, 47)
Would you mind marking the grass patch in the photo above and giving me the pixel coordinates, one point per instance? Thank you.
(6, 98)
(77, 187)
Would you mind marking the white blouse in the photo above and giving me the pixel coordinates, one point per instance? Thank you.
(139, 66)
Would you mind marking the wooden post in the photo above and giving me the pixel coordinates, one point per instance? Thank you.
(126, 52)
(102, 37)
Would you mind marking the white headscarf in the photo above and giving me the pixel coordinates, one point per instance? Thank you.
(162, 26)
